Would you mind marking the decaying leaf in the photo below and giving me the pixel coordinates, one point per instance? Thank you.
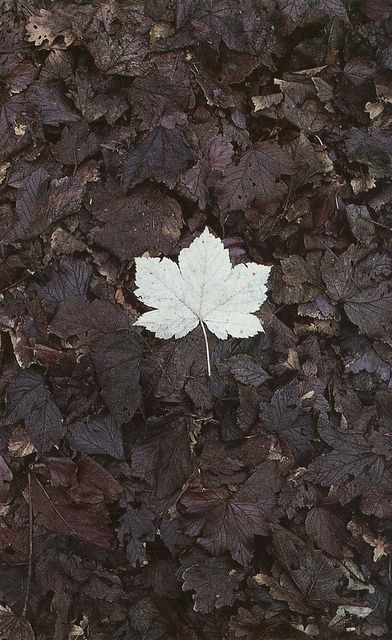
(14, 626)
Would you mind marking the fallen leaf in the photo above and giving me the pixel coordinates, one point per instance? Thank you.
(13, 626)
(203, 289)
(163, 155)
(29, 399)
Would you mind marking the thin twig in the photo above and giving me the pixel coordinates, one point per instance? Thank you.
(207, 348)
(379, 224)
(30, 558)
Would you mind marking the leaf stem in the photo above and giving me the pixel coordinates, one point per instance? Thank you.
(207, 348)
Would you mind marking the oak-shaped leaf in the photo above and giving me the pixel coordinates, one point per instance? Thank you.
(98, 435)
(143, 220)
(215, 581)
(116, 358)
(163, 155)
(29, 399)
(202, 289)
(254, 177)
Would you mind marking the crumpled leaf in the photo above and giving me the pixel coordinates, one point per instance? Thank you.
(57, 28)
(115, 40)
(14, 626)
(202, 289)
(74, 501)
(215, 582)
(373, 149)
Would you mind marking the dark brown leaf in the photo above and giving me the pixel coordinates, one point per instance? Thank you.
(29, 399)
(98, 435)
(159, 215)
(41, 202)
(163, 155)
(207, 578)
(116, 358)
(254, 178)
(14, 626)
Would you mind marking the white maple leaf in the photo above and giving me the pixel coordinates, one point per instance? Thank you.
(202, 289)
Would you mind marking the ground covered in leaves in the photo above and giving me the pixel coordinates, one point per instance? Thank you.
(140, 500)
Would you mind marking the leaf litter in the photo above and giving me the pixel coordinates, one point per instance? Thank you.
(141, 497)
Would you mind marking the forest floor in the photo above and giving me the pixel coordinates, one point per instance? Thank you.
(140, 498)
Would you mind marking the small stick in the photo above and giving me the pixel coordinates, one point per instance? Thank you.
(207, 348)
(30, 560)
